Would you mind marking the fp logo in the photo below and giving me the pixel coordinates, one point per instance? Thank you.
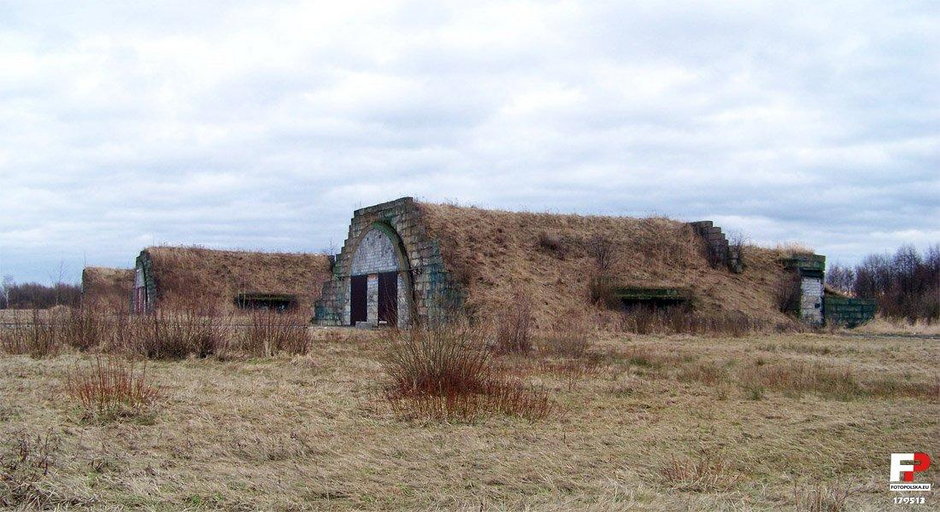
(902, 470)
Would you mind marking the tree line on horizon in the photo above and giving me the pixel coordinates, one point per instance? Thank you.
(15, 295)
(906, 285)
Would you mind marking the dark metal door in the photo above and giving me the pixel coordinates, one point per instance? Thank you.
(358, 286)
(388, 298)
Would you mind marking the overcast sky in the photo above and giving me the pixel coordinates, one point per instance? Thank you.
(263, 125)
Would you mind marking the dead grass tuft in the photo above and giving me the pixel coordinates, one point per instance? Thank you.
(707, 471)
(25, 463)
(820, 498)
(514, 327)
(572, 342)
(683, 320)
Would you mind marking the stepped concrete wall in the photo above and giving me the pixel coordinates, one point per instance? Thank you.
(720, 252)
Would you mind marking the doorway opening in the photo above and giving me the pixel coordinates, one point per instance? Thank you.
(358, 296)
(388, 298)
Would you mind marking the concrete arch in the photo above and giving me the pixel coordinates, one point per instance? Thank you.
(368, 257)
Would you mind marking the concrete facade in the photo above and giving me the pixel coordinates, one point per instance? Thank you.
(811, 270)
(145, 288)
(389, 237)
(811, 300)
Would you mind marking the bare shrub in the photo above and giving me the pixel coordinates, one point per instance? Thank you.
(552, 244)
(39, 296)
(433, 360)
(36, 337)
(840, 383)
(25, 463)
(175, 336)
(444, 373)
(510, 399)
(707, 471)
(737, 244)
(514, 326)
(786, 292)
(841, 278)
(83, 328)
(269, 333)
(111, 387)
(602, 249)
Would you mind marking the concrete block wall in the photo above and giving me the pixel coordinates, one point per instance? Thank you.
(720, 252)
(811, 270)
(143, 278)
(375, 253)
(426, 290)
(811, 300)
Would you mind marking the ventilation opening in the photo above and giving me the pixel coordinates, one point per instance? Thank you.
(265, 301)
(654, 299)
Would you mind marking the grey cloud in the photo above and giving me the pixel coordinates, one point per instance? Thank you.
(264, 125)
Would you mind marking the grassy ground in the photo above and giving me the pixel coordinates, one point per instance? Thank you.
(641, 423)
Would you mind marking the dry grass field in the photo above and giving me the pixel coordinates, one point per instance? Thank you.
(773, 421)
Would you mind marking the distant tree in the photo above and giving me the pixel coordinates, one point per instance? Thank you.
(906, 285)
(5, 287)
(39, 296)
(841, 278)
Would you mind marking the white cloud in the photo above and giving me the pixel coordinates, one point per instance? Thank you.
(265, 124)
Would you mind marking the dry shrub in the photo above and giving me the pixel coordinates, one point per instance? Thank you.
(707, 471)
(791, 249)
(737, 244)
(270, 333)
(38, 337)
(552, 244)
(514, 326)
(25, 463)
(175, 336)
(83, 328)
(436, 359)
(786, 293)
(444, 373)
(495, 397)
(111, 387)
(602, 250)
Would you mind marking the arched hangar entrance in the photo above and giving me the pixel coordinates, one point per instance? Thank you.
(380, 287)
